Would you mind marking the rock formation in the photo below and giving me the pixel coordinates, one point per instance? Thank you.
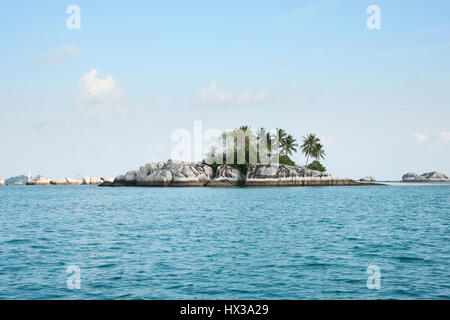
(38, 181)
(368, 179)
(227, 176)
(285, 175)
(59, 181)
(2, 182)
(410, 176)
(170, 173)
(179, 173)
(433, 176)
(65, 181)
(95, 180)
(71, 181)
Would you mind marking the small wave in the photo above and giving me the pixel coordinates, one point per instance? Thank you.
(410, 259)
(18, 241)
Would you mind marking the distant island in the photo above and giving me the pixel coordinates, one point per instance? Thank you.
(189, 174)
(22, 179)
(42, 181)
(247, 160)
(433, 176)
(223, 165)
(175, 173)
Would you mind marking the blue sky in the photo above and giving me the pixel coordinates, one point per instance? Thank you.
(105, 99)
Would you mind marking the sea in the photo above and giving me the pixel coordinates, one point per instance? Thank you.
(86, 242)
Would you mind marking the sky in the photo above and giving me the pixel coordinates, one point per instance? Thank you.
(107, 97)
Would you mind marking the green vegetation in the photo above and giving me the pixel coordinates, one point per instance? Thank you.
(213, 153)
(286, 146)
(284, 159)
(316, 165)
(17, 180)
(312, 147)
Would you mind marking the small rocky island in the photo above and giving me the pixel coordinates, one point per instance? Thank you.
(368, 179)
(190, 174)
(43, 181)
(433, 176)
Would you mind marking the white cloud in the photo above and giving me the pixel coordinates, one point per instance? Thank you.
(444, 136)
(421, 138)
(99, 96)
(60, 55)
(215, 96)
(93, 86)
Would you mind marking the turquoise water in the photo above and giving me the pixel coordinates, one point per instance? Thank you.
(214, 243)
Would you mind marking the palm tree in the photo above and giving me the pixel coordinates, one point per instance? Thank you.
(289, 145)
(318, 152)
(260, 133)
(309, 146)
(281, 136)
(244, 128)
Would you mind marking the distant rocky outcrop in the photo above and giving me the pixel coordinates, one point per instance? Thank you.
(71, 181)
(58, 181)
(170, 173)
(96, 180)
(410, 176)
(85, 180)
(91, 180)
(41, 180)
(433, 176)
(65, 181)
(227, 176)
(285, 175)
(38, 181)
(368, 179)
(2, 182)
(17, 180)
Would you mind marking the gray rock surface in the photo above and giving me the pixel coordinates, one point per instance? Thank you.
(279, 175)
(179, 173)
(410, 176)
(38, 181)
(227, 176)
(65, 181)
(368, 179)
(170, 173)
(106, 184)
(433, 176)
(92, 180)
(71, 181)
(59, 181)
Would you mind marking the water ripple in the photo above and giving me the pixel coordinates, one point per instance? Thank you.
(205, 243)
